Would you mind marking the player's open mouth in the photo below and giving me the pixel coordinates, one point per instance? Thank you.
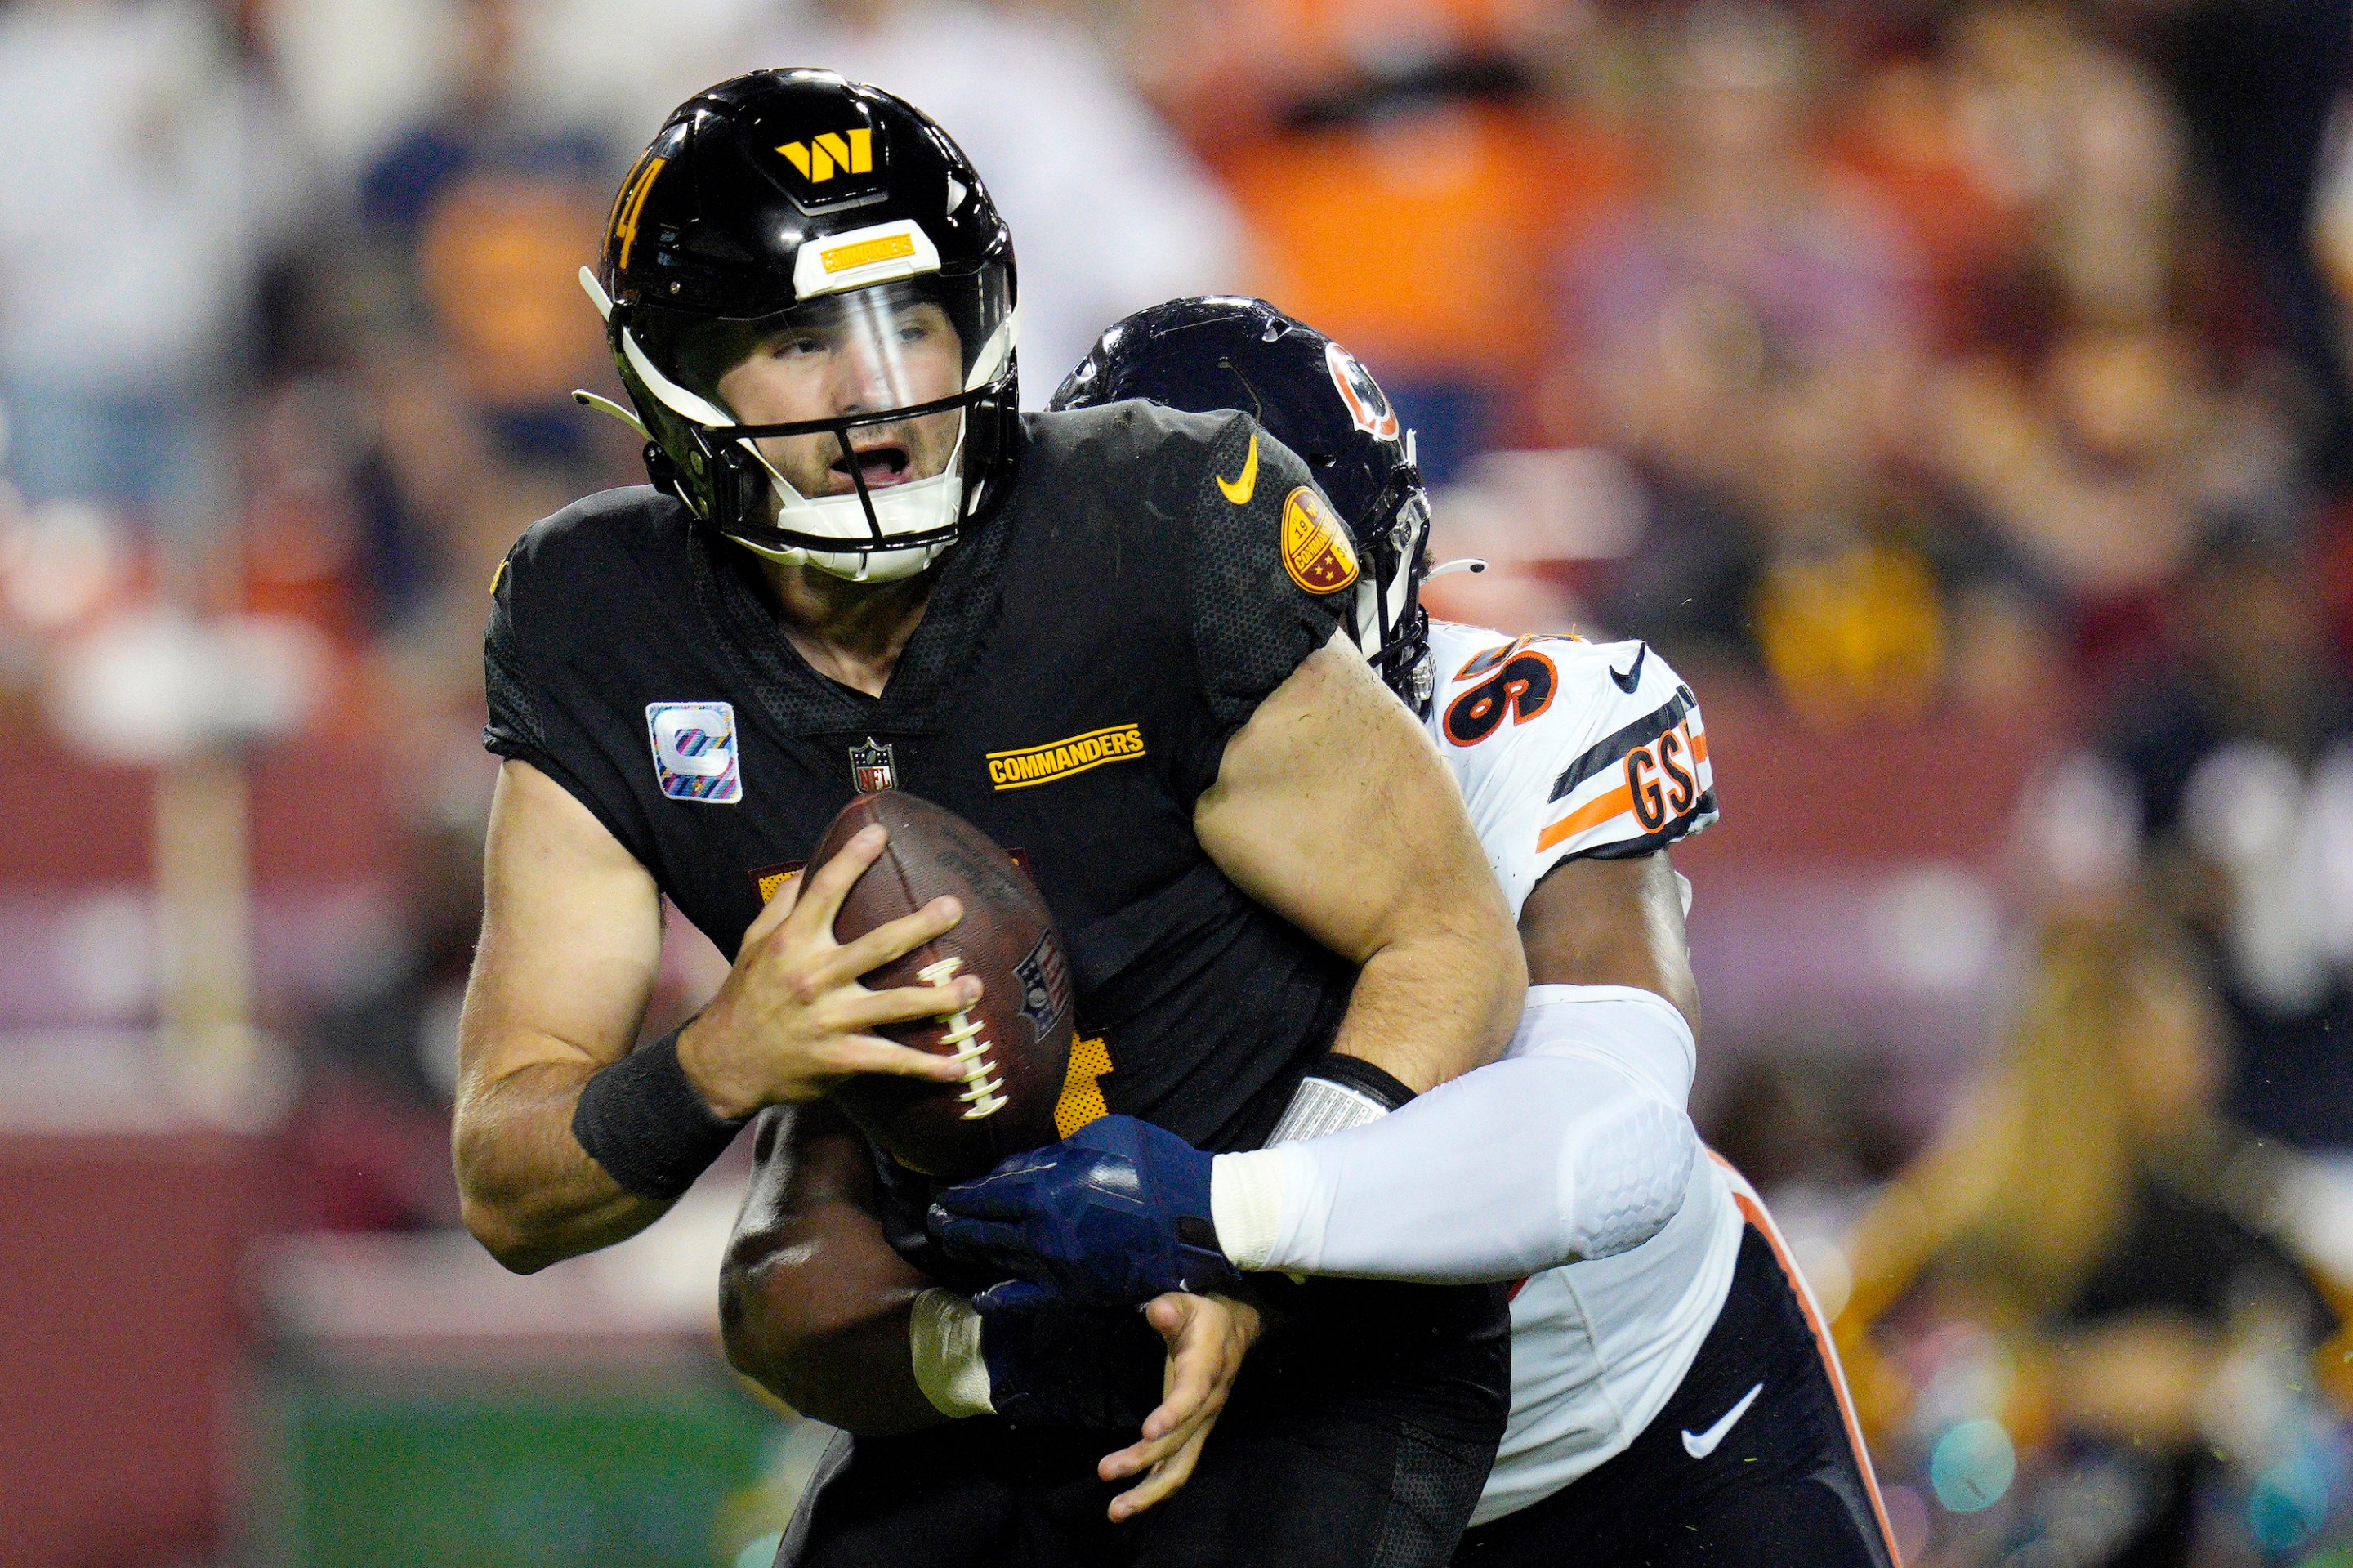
(879, 465)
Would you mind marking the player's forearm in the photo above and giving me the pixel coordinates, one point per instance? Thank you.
(528, 1191)
(1575, 1146)
(817, 1312)
(1438, 1002)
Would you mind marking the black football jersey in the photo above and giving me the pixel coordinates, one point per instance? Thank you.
(1089, 648)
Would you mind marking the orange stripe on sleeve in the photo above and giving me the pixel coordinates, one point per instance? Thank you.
(1594, 812)
(1698, 745)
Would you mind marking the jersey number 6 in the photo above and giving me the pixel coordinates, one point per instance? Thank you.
(1524, 684)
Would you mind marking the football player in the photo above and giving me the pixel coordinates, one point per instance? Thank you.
(1674, 1400)
(860, 568)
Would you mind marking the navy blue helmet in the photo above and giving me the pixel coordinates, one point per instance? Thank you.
(1311, 393)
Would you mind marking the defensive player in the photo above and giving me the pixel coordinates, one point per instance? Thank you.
(1674, 1401)
(1110, 638)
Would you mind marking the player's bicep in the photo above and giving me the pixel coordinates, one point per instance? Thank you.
(571, 931)
(809, 1238)
(1331, 807)
(1611, 922)
(813, 1302)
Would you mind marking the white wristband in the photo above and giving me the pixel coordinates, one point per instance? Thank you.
(1246, 1205)
(949, 1368)
(1246, 1191)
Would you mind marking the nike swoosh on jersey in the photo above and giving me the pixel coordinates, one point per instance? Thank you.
(1701, 1446)
(1243, 485)
(1634, 676)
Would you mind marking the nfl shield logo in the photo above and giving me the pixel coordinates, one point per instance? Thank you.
(870, 766)
(694, 751)
(1045, 977)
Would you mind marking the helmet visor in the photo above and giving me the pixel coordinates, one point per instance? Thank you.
(855, 392)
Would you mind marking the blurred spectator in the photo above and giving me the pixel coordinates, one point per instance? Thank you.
(2084, 144)
(449, 328)
(1404, 175)
(2101, 467)
(1416, 231)
(1738, 333)
(1749, 260)
(1234, 70)
(154, 176)
(2076, 1287)
(481, 125)
(490, 214)
(1108, 211)
(2235, 763)
(2097, 424)
(1907, 133)
(2259, 86)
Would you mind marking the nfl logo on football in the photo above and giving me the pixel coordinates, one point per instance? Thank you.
(694, 751)
(870, 766)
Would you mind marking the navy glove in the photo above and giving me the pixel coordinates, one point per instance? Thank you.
(1118, 1213)
(1051, 1363)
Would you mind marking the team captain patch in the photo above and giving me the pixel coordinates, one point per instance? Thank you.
(1060, 759)
(694, 751)
(1315, 548)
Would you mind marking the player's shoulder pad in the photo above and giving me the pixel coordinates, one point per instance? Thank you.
(1607, 734)
(1641, 777)
(598, 544)
(1495, 690)
(1124, 433)
(1173, 460)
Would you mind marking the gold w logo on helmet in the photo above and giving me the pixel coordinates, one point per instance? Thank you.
(820, 158)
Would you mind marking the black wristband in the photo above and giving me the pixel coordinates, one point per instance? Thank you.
(1335, 1094)
(1355, 1072)
(644, 1124)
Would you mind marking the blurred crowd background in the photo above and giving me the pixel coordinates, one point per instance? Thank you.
(1955, 390)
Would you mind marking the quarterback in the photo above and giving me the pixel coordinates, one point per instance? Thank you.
(860, 568)
(1673, 1398)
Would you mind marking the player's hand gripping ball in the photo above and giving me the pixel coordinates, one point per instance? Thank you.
(1118, 1211)
(1014, 1044)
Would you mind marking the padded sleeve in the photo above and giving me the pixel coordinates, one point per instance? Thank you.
(1575, 1145)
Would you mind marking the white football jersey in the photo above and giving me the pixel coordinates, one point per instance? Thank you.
(1564, 749)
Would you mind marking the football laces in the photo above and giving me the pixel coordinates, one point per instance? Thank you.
(984, 1091)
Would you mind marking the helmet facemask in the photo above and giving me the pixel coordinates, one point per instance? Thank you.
(834, 432)
(1389, 624)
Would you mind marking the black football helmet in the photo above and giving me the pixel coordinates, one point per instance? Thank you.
(1311, 393)
(802, 278)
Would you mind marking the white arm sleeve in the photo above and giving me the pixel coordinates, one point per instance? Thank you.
(1576, 1145)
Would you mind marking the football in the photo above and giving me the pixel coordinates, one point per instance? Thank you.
(1014, 1043)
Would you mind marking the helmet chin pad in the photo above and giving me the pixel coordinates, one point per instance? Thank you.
(868, 519)
(859, 566)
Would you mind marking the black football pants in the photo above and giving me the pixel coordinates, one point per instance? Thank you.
(1785, 1485)
(1358, 1437)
